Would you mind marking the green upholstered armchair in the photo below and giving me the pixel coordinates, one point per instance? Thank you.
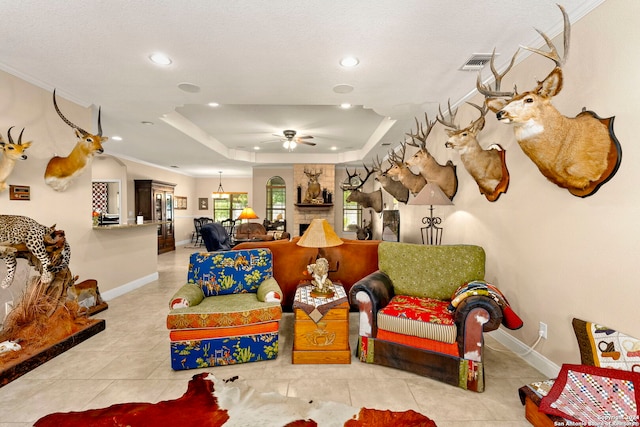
(425, 311)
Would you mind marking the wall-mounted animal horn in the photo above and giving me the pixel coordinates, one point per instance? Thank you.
(11, 152)
(579, 154)
(354, 183)
(61, 171)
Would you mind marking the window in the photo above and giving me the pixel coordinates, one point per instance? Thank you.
(229, 206)
(351, 214)
(276, 198)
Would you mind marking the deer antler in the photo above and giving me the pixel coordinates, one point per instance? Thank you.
(487, 90)
(393, 157)
(452, 117)
(553, 52)
(421, 133)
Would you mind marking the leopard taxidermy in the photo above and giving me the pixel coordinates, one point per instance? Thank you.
(16, 230)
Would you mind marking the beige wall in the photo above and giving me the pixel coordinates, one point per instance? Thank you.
(555, 256)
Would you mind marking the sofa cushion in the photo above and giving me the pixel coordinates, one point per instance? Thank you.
(420, 317)
(229, 272)
(223, 311)
(430, 271)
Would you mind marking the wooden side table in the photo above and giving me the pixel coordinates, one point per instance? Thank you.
(327, 339)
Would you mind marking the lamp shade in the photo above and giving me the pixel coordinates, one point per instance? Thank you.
(248, 213)
(431, 194)
(319, 235)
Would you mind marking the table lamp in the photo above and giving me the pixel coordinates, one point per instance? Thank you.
(320, 235)
(247, 213)
(431, 194)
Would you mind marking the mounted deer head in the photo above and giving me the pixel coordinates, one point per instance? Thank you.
(579, 154)
(314, 190)
(432, 171)
(11, 152)
(395, 188)
(399, 171)
(61, 171)
(354, 183)
(487, 167)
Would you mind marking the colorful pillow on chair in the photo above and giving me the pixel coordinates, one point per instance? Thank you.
(605, 347)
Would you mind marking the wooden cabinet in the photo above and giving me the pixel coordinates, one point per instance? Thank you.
(154, 201)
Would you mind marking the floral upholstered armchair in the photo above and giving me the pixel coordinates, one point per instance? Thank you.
(228, 312)
(425, 311)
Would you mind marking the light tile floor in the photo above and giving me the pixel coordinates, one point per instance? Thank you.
(129, 361)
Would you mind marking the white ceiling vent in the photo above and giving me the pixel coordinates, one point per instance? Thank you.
(476, 62)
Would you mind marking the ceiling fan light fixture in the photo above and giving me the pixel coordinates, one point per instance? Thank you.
(289, 145)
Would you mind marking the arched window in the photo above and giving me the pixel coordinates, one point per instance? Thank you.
(276, 199)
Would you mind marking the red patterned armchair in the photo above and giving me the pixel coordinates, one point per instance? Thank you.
(425, 311)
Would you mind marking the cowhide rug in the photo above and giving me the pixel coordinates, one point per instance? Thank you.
(210, 402)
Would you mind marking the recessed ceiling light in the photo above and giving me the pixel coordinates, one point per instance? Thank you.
(148, 123)
(189, 87)
(349, 61)
(256, 148)
(334, 148)
(345, 105)
(160, 58)
(213, 104)
(116, 138)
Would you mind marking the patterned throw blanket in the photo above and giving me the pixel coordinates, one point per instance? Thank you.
(479, 287)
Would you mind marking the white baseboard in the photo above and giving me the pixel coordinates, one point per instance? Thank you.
(533, 358)
(128, 287)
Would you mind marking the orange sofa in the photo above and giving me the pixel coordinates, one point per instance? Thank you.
(352, 260)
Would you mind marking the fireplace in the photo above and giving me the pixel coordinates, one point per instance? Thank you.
(303, 228)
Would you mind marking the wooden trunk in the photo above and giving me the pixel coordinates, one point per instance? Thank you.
(324, 342)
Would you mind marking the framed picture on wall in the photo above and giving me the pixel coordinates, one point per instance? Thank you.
(203, 203)
(181, 202)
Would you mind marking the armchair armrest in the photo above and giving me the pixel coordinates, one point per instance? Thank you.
(188, 295)
(486, 303)
(270, 291)
(371, 293)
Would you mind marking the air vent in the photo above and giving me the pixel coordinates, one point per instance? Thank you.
(476, 62)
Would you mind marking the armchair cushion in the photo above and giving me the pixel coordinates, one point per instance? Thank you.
(236, 271)
(223, 311)
(436, 275)
(419, 317)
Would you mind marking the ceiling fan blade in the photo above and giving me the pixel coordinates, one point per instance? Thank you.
(305, 137)
(313, 144)
(270, 141)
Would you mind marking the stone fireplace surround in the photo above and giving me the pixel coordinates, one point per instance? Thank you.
(302, 215)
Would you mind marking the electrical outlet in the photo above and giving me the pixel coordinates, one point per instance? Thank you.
(542, 330)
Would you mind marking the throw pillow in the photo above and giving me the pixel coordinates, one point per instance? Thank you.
(594, 396)
(605, 347)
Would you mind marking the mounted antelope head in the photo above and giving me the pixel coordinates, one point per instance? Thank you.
(444, 176)
(391, 186)
(579, 154)
(487, 167)
(354, 183)
(11, 152)
(399, 171)
(61, 171)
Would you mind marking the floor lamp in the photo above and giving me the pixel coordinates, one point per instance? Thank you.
(431, 195)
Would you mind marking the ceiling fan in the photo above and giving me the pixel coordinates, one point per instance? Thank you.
(290, 140)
